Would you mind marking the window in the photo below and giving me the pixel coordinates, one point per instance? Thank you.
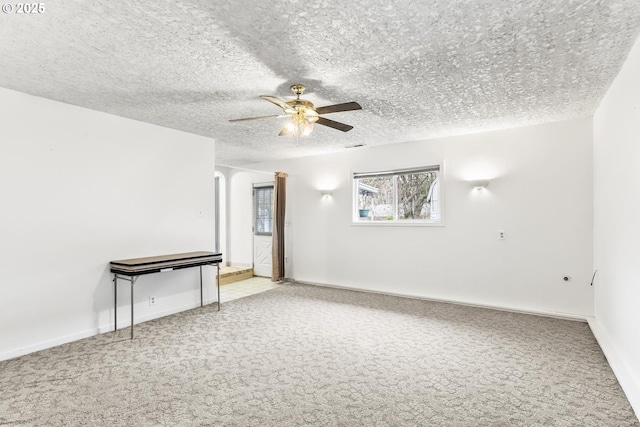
(398, 196)
(263, 209)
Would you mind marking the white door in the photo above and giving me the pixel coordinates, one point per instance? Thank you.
(262, 256)
(262, 229)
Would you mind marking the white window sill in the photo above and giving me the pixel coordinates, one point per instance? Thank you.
(397, 224)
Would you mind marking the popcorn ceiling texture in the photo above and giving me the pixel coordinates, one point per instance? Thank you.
(419, 69)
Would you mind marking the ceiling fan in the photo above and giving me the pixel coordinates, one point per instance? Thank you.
(303, 114)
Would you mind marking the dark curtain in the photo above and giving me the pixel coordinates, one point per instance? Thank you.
(279, 202)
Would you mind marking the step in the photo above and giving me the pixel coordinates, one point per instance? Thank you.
(230, 274)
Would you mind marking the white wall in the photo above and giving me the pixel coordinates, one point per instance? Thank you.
(239, 213)
(616, 224)
(222, 211)
(540, 194)
(80, 188)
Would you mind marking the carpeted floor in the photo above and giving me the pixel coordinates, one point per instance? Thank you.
(304, 355)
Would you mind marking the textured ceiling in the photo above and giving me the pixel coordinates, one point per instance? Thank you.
(419, 69)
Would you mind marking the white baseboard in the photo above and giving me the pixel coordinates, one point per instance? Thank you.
(123, 324)
(557, 315)
(629, 384)
(43, 345)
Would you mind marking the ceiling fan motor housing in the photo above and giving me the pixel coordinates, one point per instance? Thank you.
(304, 109)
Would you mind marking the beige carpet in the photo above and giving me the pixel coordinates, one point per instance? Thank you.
(304, 355)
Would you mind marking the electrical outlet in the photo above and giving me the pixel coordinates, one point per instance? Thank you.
(152, 300)
(501, 235)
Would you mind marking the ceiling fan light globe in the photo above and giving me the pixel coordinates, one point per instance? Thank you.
(311, 116)
(307, 129)
(285, 131)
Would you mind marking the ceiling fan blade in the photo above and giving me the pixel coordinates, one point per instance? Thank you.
(347, 106)
(275, 116)
(334, 124)
(279, 102)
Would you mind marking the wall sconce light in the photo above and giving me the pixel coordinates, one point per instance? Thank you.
(479, 184)
(326, 193)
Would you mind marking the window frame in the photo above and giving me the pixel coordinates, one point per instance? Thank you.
(355, 176)
(257, 188)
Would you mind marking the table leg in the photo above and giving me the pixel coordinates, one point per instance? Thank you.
(218, 284)
(133, 281)
(115, 302)
(201, 299)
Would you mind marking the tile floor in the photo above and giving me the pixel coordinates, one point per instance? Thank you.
(243, 288)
